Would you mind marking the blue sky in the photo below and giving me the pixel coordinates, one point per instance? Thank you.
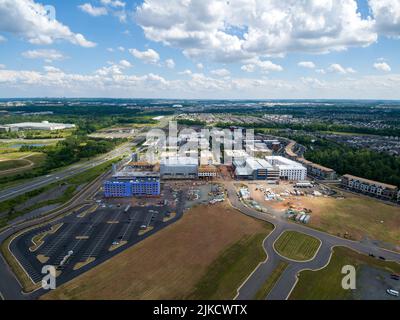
(200, 49)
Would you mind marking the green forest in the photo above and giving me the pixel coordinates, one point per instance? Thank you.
(346, 160)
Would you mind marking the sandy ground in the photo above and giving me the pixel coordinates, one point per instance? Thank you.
(168, 264)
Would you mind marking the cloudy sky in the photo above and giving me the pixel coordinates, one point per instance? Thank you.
(200, 48)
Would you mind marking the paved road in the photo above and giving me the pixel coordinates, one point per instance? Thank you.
(288, 279)
(9, 285)
(42, 181)
(10, 288)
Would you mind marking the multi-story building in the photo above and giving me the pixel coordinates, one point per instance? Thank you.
(179, 168)
(370, 187)
(317, 171)
(127, 183)
(255, 169)
(208, 172)
(288, 169)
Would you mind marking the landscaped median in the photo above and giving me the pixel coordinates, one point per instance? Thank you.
(297, 246)
(71, 186)
(269, 284)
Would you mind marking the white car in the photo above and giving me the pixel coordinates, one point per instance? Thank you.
(392, 292)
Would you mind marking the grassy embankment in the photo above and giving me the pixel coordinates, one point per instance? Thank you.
(325, 284)
(72, 184)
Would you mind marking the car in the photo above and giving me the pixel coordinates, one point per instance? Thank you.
(372, 255)
(393, 293)
(395, 277)
(115, 243)
(382, 258)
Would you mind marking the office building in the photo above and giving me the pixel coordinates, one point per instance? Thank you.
(288, 169)
(179, 168)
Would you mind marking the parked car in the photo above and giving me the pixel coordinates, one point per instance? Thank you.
(392, 292)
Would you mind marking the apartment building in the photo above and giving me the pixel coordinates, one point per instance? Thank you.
(370, 187)
(288, 169)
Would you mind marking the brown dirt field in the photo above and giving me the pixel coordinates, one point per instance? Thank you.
(169, 264)
(357, 215)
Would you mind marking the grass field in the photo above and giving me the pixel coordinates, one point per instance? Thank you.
(11, 162)
(297, 246)
(271, 281)
(325, 284)
(175, 261)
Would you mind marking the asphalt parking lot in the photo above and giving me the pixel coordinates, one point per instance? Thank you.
(93, 237)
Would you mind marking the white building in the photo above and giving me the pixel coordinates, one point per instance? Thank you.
(288, 169)
(179, 168)
(45, 126)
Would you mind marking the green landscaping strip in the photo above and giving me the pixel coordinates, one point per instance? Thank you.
(266, 288)
(73, 183)
(228, 271)
(297, 246)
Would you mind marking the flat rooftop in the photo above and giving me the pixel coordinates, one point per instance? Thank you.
(367, 181)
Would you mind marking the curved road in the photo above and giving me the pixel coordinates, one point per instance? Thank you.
(287, 281)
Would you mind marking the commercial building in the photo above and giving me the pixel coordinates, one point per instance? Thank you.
(238, 156)
(370, 187)
(128, 183)
(288, 169)
(317, 171)
(255, 169)
(208, 172)
(45, 126)
(258, 149)
(179, 168)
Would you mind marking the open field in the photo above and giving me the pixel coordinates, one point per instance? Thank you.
(325, 284)
(271, 281)
(355, 216)
(14, 163)
(174, 262)
(297, 246)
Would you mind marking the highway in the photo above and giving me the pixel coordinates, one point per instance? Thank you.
(72, 170)
(10, 288)
(287, 281)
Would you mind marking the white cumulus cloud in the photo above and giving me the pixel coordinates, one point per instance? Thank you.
(382, 66)
(307, 64)
(387, 16)
(45, 54)
(240, 30)
(29, 19)
(220, 72)
(170, 63)
(147, 56)
(337, 68)
(93, 11)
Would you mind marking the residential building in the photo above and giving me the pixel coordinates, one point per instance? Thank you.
(370, 187)
(317, 171)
